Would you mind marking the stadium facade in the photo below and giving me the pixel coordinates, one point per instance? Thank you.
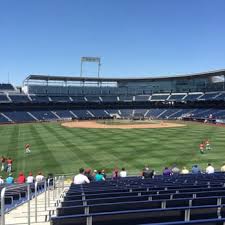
(192, 96)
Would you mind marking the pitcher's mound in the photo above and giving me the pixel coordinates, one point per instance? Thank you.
(95, 124)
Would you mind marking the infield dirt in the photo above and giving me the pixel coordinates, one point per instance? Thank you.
(95, 125)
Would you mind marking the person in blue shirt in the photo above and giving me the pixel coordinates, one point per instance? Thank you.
(99, 176)
(9, 179)
(196, 169)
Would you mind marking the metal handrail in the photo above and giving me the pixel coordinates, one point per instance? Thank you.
(27, 188)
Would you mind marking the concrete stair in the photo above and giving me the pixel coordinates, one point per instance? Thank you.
(20, 214)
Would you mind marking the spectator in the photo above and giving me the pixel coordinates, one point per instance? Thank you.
(223, 168)
(87, 173)
(175, 170)
(147, 173)
(9, 179)
(123, 172)
(3, 159)
(99, 176)
(21, 178)
(104, 174)
(196, 169)
(184, 170)
(210, 169)
(30, 178)
(81, 178)
(9, 165)
(39, 177)
(167, 172)
(115, 173)
(1, 180)
(94, 173)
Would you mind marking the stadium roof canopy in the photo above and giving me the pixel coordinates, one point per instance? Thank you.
(118, 79)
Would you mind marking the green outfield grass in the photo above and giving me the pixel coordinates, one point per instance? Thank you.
(59, 149)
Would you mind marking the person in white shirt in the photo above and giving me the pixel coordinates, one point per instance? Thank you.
(123, 173)
(30, 178)
(210, 169)
(1, 180)
(39, 177)
(81, 178)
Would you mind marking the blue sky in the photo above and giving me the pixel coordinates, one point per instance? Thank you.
(132, 37)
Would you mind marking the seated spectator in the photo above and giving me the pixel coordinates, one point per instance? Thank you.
(81, 178)
(175, 170)
(99, 176)
(9, 179)
(87, 173)
(167, 172)
(196, 169)
(184, 170)
(115, 173)
(1, 180)
(123, 172)
(21, 178)
(30, 178)
(223, 168)
(210, 169)
(104, 174)
(147, 173)
(39, 177)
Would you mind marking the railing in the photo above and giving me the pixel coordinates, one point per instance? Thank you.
(55, 184)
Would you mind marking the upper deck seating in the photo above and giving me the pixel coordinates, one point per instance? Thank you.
(39, 98)
(109, 98)
(6, 87)
(78, 99)
(60, 99)
(142, 98)
(19, 98)
(209, 96)
(192, 97)
(93, 98)
(159, 97)
(126, 98)
(176, 97)
(3, 98)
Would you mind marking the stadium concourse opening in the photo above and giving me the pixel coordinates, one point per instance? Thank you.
(121, 124)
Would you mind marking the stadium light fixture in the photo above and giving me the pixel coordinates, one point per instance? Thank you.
(90, 60)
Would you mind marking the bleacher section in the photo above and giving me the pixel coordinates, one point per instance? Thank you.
(150, 113)
(192, 97)
(3, 98)
(19, 116)
(142, 98)
(60, 99)
(39, 98)
(6, 87)
(159, 97)
(134, 201)
(176, 97)
(19, 98)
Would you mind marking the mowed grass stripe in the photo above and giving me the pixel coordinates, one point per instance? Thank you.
(83, 154)
(44, 156)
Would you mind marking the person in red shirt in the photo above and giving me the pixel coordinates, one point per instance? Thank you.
(9, 165)
(21, 178)
(202, 148)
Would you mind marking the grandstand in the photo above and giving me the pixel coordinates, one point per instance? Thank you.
(196, 96)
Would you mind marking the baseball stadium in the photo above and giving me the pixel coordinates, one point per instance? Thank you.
(112, 112)
(57, 124)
